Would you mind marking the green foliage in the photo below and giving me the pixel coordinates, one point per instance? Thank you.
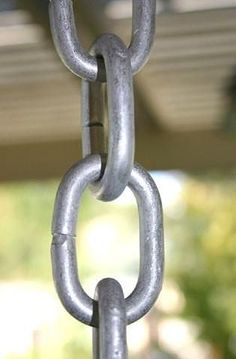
(25, 215)
(203, 260)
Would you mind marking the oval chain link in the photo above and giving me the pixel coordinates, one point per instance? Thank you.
(78, 60)
(63, 250)
(120, 153)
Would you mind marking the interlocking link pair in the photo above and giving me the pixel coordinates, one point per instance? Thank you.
(107, 168)
(82, 63)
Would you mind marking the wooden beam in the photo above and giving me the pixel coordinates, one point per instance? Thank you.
(190, 151)
(38, 9)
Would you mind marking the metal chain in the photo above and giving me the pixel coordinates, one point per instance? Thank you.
(109, 340)
(107, 169)
(72, 52)
(120, 157)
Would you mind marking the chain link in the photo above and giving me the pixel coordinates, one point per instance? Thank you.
(77, 59)
(63, 251)
(109, 340)
(107, 168)
(119, 161)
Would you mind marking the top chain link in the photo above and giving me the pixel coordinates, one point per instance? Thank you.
(77, 59)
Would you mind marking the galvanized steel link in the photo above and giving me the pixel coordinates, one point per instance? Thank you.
(63, 250)
(109, 339)
(78, 60)
(120, 153)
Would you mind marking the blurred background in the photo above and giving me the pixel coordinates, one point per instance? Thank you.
(185, 105)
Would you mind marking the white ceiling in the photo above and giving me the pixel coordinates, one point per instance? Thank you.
(182, 85)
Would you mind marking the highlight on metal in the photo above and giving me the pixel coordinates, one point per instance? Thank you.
(77, 59)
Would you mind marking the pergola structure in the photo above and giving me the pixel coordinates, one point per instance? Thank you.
(185, 95)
